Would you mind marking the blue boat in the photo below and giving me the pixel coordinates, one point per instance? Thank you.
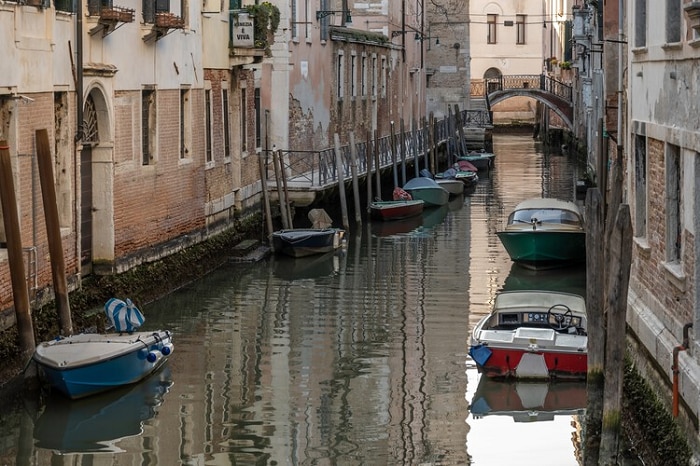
(301, 242)
(427, 190)
(88, 363)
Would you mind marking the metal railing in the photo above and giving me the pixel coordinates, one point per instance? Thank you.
(526, 81)
(318, 169)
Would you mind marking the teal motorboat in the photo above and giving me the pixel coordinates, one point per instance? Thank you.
(544, 233)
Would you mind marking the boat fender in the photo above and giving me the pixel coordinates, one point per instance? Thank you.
(167, 349)
(480, 354)
(153, 356)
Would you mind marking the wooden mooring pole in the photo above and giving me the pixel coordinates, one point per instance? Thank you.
(280, 191)
(595, 232)
(10, 217)
(355, 181)
(393, 156)
(377, 165)
(617, 282)
(369, 155)
(53, 232)
(403, 152)
(266, 195)
(341, 182)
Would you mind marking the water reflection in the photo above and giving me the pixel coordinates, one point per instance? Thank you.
(526, 423)
(359, 360)
(528, 401)
(99, 423)
(565, 279)
(322, 265)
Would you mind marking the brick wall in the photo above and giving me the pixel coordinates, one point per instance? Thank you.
(649, 269)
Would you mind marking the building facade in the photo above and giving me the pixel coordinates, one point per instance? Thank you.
(661, 182)
(507, 38)
(159, 114)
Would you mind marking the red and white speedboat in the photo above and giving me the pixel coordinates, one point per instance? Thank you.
(533, 335)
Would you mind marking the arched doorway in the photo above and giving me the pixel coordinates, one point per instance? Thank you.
(492, 78)
(91, 138)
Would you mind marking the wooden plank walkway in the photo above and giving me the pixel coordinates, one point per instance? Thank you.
(308, 173)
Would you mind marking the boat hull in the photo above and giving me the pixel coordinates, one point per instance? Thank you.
(453, 186)
(395, 210)
(304, 242)
(521, 363)
(427, 190)
(543, 249)
(82, 365)
(533, 334)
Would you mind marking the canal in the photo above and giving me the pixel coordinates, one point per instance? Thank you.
(355, 358)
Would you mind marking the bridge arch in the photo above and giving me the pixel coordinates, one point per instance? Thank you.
(562, 108)
(555, 94)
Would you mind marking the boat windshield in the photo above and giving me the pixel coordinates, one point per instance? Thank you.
(544, 216)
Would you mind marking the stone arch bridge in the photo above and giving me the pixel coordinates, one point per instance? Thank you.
(555, 94)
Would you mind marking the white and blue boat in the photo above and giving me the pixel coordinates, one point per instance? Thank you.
(88, 363)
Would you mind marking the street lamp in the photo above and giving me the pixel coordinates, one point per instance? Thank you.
(323, 13)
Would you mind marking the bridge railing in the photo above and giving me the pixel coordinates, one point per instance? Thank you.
(317, 169)
(529, 81)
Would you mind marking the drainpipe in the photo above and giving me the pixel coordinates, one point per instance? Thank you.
(675, 369)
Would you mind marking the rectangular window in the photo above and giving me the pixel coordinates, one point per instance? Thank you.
(353, 77)
(673, 203)
(673, 21)
(374, 76)
(225, 119)
(340, 77)
(520, 29)
(293, 21)
(207, 125)
(67, 6)
(363, 71)
(148, 126)
(491, 31)
(185, 123)
(151, 7)
(325, 21)
(640, 23)
(307, 19)
(384, 77)
(258, 119)
(244, 120)
(640, 185)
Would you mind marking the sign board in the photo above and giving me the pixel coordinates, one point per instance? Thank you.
(243, 31)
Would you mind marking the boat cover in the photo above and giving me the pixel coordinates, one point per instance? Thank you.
(320, 219)
(124, 316)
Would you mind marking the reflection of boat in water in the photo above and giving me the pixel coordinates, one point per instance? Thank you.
(290, 268)
(434, 216)
(397, 227)
(95, 423)
(528, 401)
(456, 203)
(565, 280)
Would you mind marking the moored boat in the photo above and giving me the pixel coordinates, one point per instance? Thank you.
(542, 233)
(532, 335)
(300, 242)
(89, 363)
(396, 210)
(427, 190)
(480, 159)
